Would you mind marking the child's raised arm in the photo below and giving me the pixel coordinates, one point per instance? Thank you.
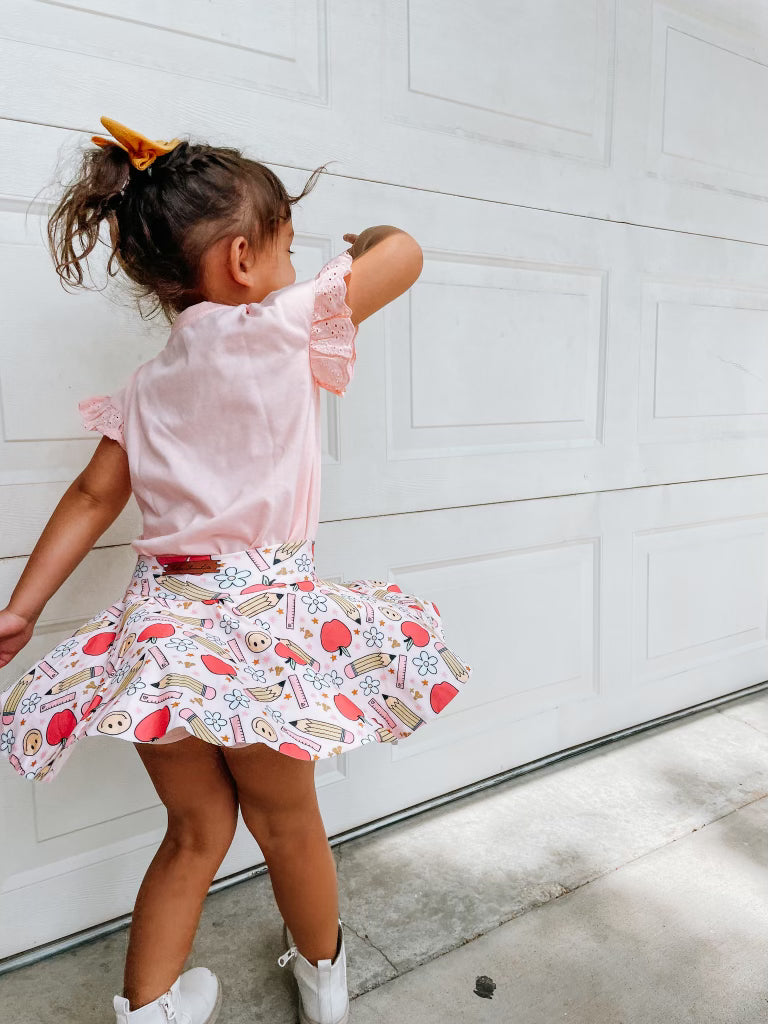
(385, 263)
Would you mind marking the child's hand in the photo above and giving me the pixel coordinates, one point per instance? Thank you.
(15, 633)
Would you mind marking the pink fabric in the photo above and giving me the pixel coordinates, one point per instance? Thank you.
(222, 427)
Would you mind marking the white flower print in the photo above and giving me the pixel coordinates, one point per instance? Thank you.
(232, 577)
(6, 740)
(276, 714)
(310, 676)
(134, 686)
(29, 704)
(368, 739)
(257, 673)
(236, 699)
(262, 624)
(120, 674)
(426, 663)
(369, 685)
(315, 602)
(373, 637)
(229, 625)
(180, 644)
(331, 678)
(65, 649)
(214, 720)
(141, 568)
(303, 564)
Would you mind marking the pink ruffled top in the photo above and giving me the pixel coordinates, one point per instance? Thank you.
(222, 427)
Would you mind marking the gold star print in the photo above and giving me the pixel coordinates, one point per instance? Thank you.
(326, 696)
(381, 622)
(175, 704)
(315, 621)
(225, 739)
(286, 696)
(391, 671)
(356, 632)
(354, 693)
(23, 721)
(279, 611)
(267, 551)
(315, 757)
(333, 657)
(34, 763)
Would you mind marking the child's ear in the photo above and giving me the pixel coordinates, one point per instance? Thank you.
(241, 260)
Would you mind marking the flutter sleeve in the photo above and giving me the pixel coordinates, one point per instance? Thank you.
(105, 414)
(332, 333)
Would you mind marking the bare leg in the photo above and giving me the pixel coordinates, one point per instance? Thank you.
(194, 784)
(279, 805)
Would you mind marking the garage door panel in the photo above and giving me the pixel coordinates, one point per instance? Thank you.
(704, 363)
(471, 346)
(547, 86)
(708, 104)
(701, 592)
(276, 48)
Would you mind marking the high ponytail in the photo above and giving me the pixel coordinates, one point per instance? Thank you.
(162, 219)
(75, 224)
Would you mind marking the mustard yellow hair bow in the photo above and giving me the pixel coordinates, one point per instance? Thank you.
(140, 149)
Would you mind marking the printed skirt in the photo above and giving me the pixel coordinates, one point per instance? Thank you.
(240, 648)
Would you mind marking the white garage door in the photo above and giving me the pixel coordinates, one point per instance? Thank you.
(559, 434)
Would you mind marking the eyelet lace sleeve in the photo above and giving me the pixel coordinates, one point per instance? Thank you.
(332, 334)
(101, 413)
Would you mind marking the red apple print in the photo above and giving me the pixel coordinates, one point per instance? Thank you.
(217, 666)
(394, 587)
(266, 584)
(294, 659)
(60, 727)
(295, 751)
(335, 636)
(415, 634)
(305, 585)
(440, 695)
(98, 644)
(154, 632)
(91, 705)
(437, 610)
(153, 726)
(347, 707)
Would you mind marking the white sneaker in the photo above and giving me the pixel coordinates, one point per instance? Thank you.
(323, 996)
(194, 998)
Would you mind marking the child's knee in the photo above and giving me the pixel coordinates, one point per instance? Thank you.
(208, 836)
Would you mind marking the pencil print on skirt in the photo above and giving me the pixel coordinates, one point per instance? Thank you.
(239, 648)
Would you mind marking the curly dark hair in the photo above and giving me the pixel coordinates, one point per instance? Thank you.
(162, 219)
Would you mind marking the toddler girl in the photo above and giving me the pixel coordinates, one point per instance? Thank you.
(228, 662)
